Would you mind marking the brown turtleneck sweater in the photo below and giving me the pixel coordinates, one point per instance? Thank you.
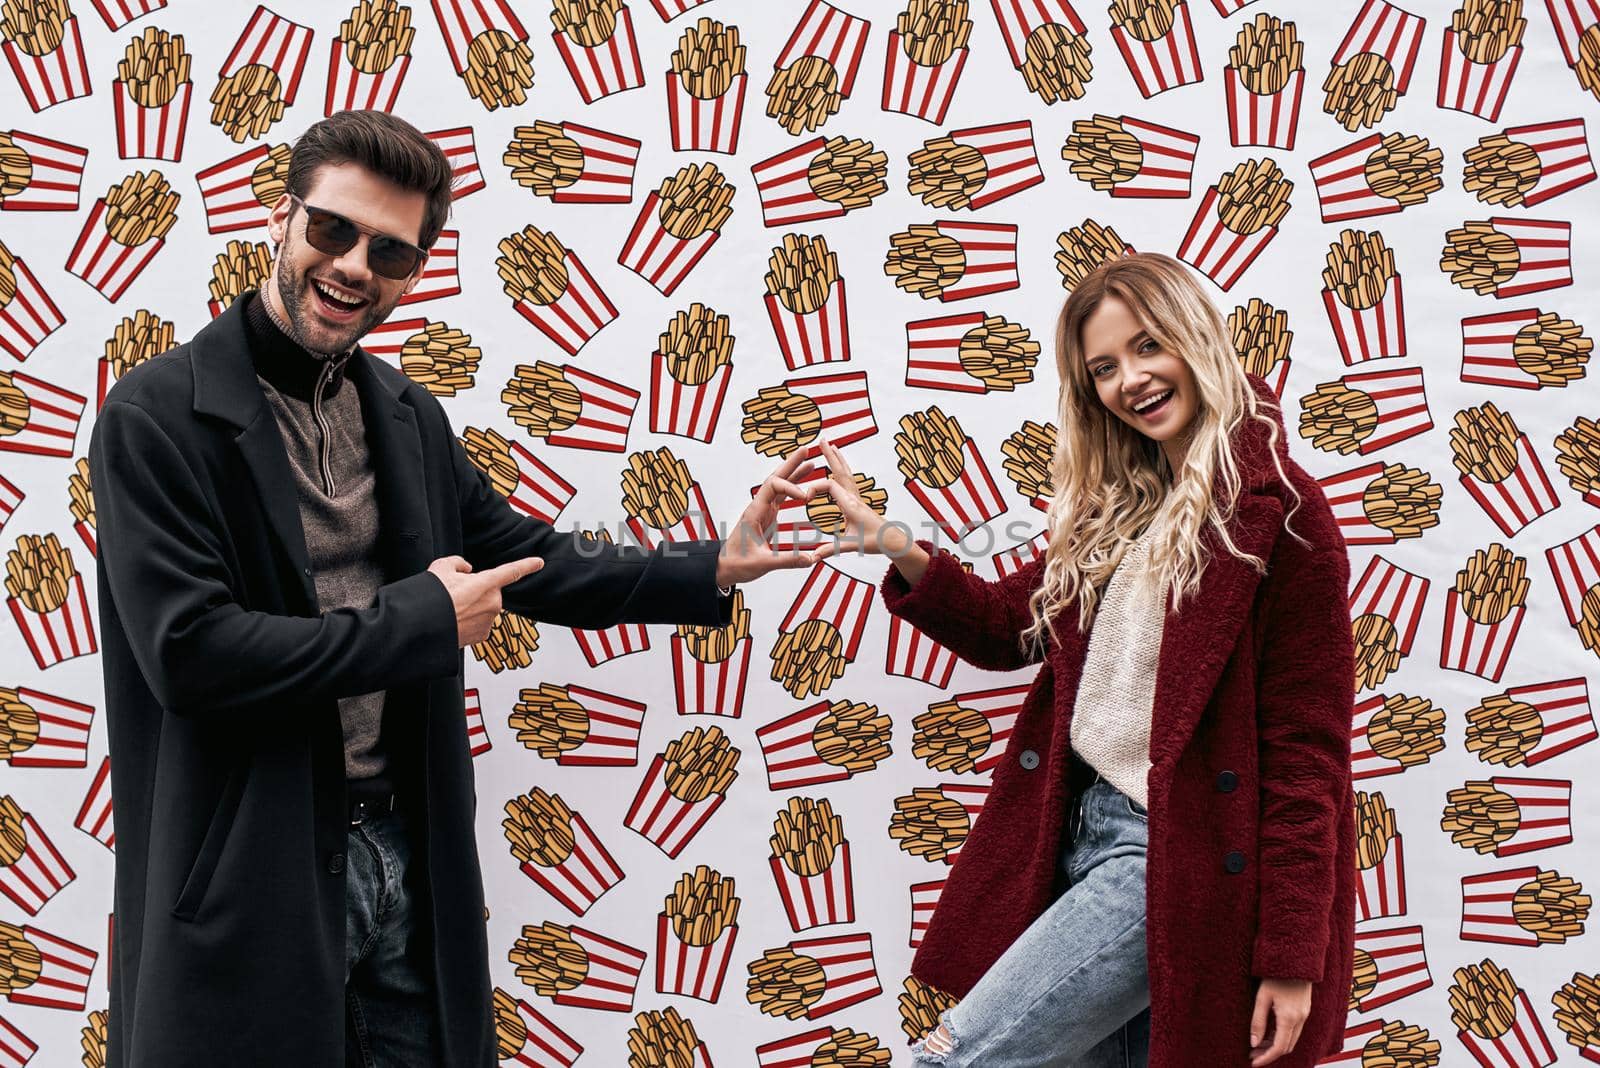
(333, 476)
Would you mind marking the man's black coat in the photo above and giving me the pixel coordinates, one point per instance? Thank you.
(227, 756)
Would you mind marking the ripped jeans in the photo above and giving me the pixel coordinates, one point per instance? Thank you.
(1073, 989)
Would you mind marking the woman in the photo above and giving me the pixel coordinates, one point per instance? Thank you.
(1164, 868)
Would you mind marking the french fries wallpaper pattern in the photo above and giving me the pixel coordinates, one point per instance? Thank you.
(691, 236)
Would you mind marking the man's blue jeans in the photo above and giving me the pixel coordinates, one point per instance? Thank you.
(1073, 989)
(389, 1003)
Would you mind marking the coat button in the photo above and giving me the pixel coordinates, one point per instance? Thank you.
(1227, 781)
(335, 863)
(1234, 862)
(1029, 759)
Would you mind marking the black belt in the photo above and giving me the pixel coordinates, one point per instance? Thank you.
(370, 798)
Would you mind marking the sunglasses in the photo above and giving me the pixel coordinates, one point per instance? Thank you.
(331, 233)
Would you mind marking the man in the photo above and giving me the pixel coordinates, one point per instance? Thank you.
(294, 549)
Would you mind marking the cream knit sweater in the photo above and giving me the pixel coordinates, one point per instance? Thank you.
(1111, 715)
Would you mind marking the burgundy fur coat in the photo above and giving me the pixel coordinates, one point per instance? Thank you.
(1251, 861)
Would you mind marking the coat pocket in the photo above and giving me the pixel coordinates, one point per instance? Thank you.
(211, 846)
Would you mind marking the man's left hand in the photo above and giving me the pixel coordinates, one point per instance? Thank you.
(1287, 1002)
(747, 552)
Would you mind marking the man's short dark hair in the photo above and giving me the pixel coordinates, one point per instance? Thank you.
(384, 145)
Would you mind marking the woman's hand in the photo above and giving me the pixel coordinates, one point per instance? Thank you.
(1288, 1002)
(747, 552)
(864, 530)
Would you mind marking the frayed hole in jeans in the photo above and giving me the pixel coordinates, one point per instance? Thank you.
(934, 1045)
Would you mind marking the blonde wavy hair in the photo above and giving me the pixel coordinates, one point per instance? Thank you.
(1110, 482)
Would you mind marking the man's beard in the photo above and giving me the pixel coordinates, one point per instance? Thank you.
(309, 330)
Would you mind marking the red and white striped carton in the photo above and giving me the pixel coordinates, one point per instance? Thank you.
(462, 153)
(692, 971)
(86, 535)
(1546, 807)
(1168, 61)
(1486, 907)
(1216, 251)
(272, 41)
(1381, 889)
(94, 815)
(971, 797)
(540, 492)
(1477, 648)
(226, 193)
(53, 417)
(1011, 560)
(924, 899)
(783, 185)
(710, 688)
(1394, 593)
(606, 413)
(1488, 346)
(789, 751)
(1354, 1045)
(1009, 155)
(600, 646)
(151, 132)
(685, 410)
(1523, 1044)
(609, 67)
(658, 257)
(705, 124)
(1401, 961)
(1018, 21)
(819, 900)
(1167, 167)
(828, 33)
(63, 634)
(462, 20)
(17, 1049)
(1365, 762)
(64, 973)
(990, 253)
(63, 740)
(911, 654)
(845, 407)
(671, 9)
(441, 275)
(1563, 705)
(1345, 492)
(1521, 497)
(1265, 119)
(933, 353)
(1391, 32)
(118, 13)
(1475, 88)
(1572, 21)
(55, 77)
(1545, 248)
(965, 504)
(575, 316)
(1000, 707)
(614, 726)
(584, 876)
(350, 89)
(1372, 333)
(477, 731)
(1575, 566)
(696, 524)
(11, 499)
(107, 265)
(1340, 180)
(1564, 162)
(668, 822)
(798, 1051)
(829, 594)
(922, 91)
(28, 317)
(849, 973)
(613, 975)
(39, 874)
(809, 338)
(1402, 403)
(55, 178)
(545, 1045)
(608, 164)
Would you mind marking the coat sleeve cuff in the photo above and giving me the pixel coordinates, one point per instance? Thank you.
(918, 604)
(1302, 958)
